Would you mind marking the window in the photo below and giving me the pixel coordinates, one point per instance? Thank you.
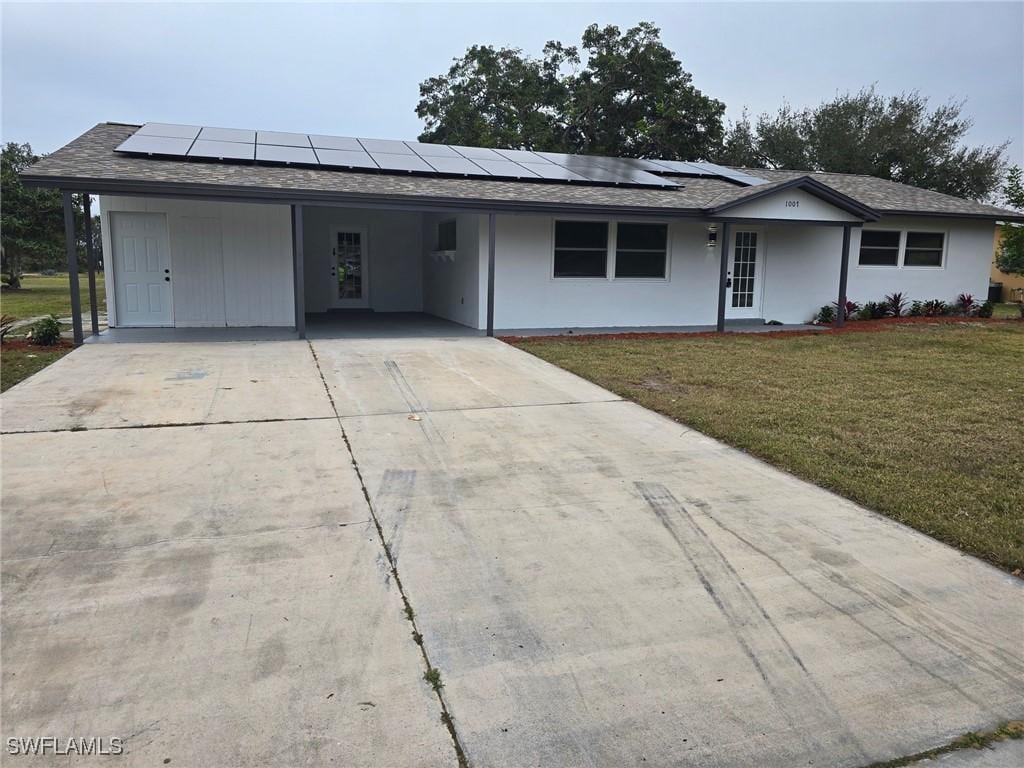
(641, 250)
(923, 249)
(879, 249)
(744, 269)
(581, 249)
(446, 236)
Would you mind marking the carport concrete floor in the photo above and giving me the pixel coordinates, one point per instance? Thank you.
(191, 564)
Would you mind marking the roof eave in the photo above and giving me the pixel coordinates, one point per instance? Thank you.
(283, 196)
(995, 216)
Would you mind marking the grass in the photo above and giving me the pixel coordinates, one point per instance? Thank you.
(18, 361)
(922, 423)
(48, 295)
(971, 740)
(1006, 311)
(38, 295)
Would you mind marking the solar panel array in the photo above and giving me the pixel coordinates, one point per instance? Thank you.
(387, 155)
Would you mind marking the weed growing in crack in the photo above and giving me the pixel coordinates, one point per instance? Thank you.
(433, 676)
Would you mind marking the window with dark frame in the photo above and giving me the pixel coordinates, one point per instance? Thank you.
(446, 236)
(924, 249)
(879, 248)
(581, 249)
(641, 250)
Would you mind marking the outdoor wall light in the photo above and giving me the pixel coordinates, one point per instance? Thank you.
(712, 235)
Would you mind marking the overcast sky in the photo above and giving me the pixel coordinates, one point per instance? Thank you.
(355, 69)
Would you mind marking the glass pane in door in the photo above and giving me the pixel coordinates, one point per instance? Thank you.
(349, 253)
(744, 264)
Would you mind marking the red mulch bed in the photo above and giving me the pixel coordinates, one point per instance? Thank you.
(852, 326)
(23, 344)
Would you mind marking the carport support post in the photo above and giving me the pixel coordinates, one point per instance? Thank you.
(71, 245)
(491, 227)
(844, 267)
(299, 271)
(723, 276)
(90, 252)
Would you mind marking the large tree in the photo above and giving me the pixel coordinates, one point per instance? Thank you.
(1010, 257)
(31, 220)
(626, 94)
(899, 138)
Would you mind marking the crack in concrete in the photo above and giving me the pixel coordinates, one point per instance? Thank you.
(172, 424)
(446, 717)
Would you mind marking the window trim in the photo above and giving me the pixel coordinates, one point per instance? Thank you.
(613, 236)
(901, 253)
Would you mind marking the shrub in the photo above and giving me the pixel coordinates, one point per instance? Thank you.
(826, 315)
(916, 308)
(985, 310)
(46, 332)
(852, 308)
(895, 304)
(6, 325)
(935, 308)
(965, 304)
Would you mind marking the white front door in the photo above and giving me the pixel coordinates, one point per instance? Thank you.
(349, 275)
(142, 269)
(746, 265)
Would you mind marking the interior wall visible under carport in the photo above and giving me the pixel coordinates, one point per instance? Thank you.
(455, 282)
(394, 263)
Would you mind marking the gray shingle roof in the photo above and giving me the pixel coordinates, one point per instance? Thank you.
(89, 163)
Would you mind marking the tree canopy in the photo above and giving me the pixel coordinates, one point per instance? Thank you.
(31, 220)
(900, 138)
(1010, 257)
(618, 93)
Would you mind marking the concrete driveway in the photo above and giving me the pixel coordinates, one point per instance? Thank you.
(193, 563)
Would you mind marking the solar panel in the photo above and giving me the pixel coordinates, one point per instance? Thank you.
(227, 134)
(458, 165)
(393, 162)
(170, 130)
(519, 155)
(155, 145)
(185, 141)
(277, 154)
(386, 146)
(738, 176)
(336, 142)
(474, 153)
(282, 138)
(345, 158)
(552, 171)
(431, 150)
(222, 150)
(505, 168)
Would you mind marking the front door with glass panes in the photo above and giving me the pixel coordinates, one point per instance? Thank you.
(349, 288)
(746, 265)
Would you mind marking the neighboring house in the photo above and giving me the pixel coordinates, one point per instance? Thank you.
(221, 227)
(1012, 285)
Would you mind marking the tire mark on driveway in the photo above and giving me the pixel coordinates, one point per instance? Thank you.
(798, 695)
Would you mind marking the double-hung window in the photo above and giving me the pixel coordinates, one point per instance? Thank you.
(584, 249)
(879, 248)
(895, 248)
(581, 249)
(923, 249)
(641, 250)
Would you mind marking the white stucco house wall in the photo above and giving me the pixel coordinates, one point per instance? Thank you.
(195, 239)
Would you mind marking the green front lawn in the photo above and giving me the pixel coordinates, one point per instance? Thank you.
(48, 295)
(18, 361)
(1006, 311)
(39, 295)
(922, 423)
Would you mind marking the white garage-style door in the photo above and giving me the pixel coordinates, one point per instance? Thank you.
(142, 269)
